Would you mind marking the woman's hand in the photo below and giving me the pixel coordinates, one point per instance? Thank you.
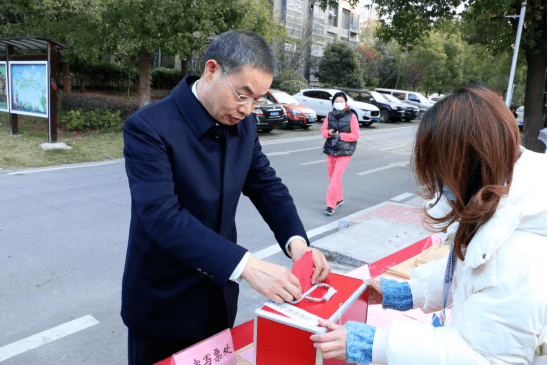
(375, 291)
(332, 133)
(332, 344)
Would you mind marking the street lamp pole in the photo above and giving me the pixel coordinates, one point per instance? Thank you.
(510, 90)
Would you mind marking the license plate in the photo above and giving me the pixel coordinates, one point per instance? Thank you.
(311, 120)
(274, 113)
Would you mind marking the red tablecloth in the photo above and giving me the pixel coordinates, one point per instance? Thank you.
(242, 335)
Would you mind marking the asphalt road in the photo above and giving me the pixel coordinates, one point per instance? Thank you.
(63, 239)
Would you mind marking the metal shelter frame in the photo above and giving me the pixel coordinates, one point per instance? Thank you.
(27, 43)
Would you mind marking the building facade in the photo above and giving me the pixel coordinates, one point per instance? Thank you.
(311, 29)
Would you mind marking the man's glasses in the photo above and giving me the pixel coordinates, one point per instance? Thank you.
(242, 99)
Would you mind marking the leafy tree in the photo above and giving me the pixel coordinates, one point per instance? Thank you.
(138, 27)
(340, 66)
(484, 24)
(370, 60)
(258, 18)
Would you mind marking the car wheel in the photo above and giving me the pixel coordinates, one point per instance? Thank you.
(367, 124)
(385, 117)
(267, 130)
(305, 126)
(421, 114)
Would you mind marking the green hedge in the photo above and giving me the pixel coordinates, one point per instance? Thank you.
(114, 76)
(104, 75)
(98, 119)
(165, 78)
(89, 102)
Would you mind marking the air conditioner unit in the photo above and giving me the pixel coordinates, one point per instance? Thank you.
(331, 13)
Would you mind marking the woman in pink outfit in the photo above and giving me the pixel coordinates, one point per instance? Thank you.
(341, 130)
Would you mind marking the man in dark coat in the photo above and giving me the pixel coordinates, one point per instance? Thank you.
(188, 158)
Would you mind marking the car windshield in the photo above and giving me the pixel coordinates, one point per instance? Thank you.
(284, 98)
(422, 98)
(392, 98)
(378, 96)
(264, 101)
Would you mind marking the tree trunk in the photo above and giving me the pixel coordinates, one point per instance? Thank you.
(144, 77)
(67, 87)
(533, 119)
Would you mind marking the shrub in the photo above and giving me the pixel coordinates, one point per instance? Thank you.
(98, 119)
(292, 86)
(89, 102)
(166, 78)
(104, 75)
(286, 75)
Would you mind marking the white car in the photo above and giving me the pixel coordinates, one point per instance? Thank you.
(319, 100)
(409, 97)
(520, 110)
(435, 97)
(519, 119)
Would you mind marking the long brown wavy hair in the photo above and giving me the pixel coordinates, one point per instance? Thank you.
(468, 142)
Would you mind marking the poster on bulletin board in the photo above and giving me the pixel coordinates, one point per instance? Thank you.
(4, 87)
(28, 88)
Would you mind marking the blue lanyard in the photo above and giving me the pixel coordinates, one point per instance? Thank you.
(448, 280)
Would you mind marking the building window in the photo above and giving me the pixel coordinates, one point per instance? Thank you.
(354, 23)
(345, 19)
(331, 37)
(295, 4)
(332, 16)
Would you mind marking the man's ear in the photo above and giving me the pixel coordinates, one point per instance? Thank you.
(211, 66)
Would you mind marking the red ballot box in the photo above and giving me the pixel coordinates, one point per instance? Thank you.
(282, 335)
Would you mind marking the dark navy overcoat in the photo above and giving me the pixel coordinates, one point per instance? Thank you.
(186, 176)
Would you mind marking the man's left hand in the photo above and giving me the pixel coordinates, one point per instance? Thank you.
(322, 269)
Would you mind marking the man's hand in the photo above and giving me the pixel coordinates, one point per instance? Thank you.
(273, 281)
(332, 344)
(297, 248)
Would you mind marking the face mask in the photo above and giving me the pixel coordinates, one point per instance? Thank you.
(339, 106)
(448, 194)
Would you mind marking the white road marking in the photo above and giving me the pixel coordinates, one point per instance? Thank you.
(390, 165)
(288, 152)
(269, 251)
(45, 337)
(402, 197)
(76, 166)
(274, 249)
(313, 162)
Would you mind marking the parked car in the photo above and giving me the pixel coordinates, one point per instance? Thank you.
(519, 119)
(411, 111)
(320, 101)
(269, 116)
(297, 114)
(520, 111)
(410, 97)
(434, 98)
(389, 110)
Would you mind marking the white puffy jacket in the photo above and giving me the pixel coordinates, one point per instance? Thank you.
(499, 296)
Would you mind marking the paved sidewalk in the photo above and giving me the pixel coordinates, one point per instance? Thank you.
(386, 229)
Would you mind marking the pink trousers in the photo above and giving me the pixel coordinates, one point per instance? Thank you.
(335, 171)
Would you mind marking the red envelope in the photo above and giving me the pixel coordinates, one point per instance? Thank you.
(303, 269)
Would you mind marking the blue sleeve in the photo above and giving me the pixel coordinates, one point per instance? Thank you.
(359, 342)
(396, 295)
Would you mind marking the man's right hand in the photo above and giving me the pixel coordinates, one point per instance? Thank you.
(273, 281)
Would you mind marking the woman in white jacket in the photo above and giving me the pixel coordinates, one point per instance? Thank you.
(489, 195)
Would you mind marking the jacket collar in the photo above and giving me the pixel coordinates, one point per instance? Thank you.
(193, 111)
